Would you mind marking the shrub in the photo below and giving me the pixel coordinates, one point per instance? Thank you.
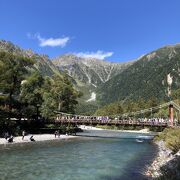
(171, 137)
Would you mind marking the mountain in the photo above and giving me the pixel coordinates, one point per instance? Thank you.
(42, 62)
(89, 73)
(89, 70)
(103, 82)
(147, 77)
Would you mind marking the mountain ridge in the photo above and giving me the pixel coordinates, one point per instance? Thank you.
(42, 62)
(69, 60)
(103, 82)
(146, 78)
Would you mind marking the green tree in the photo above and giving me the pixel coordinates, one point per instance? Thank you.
(65, 94)
(58, 94)
(111, 109)
(31, 92)
(13, 70)
(50, 103)
(176, 95)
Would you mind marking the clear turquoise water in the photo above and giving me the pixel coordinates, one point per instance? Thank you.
(108, 157)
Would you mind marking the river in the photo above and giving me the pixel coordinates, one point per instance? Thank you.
(101, 155)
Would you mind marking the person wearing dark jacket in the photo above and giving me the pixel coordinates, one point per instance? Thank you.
(32, 139)
(10, 140)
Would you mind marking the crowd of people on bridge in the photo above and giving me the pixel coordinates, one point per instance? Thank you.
(107, 119)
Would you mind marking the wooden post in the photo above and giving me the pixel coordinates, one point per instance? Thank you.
(171, 115)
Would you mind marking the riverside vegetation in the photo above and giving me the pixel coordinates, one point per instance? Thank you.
(171, 138)
(26, 93)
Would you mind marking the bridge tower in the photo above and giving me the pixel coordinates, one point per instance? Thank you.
(171, 114)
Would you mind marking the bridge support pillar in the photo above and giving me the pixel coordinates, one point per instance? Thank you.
(171, 115)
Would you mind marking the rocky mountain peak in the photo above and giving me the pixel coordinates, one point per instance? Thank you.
(90, 71)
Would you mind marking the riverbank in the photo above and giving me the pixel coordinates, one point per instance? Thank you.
(37, 137)
(145, 131)
(47, 137)
(162, 157)
(166, 164)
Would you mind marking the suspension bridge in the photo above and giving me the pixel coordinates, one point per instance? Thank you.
(137, 118)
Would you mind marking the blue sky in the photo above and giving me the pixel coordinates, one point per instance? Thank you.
(117, 30)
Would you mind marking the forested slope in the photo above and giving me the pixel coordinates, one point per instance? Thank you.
(146, 78)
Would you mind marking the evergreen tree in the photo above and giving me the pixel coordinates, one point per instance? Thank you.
(31, 92)
(13, 70)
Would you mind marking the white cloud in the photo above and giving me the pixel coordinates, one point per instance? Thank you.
(52, 42)
(98, 54)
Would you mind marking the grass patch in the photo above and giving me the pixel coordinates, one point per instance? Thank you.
(171, 137)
